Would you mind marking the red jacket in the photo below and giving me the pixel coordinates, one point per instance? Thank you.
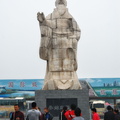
(95, 116)
(70, 114)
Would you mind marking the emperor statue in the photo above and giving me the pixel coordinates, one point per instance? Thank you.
(60, 34)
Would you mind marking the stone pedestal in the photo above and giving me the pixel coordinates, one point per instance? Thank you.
(56, 99)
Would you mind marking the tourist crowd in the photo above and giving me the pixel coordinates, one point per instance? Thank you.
(74, 113)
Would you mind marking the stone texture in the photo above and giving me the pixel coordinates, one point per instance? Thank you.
(82, 97)
(59, 37)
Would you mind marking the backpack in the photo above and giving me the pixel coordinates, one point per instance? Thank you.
(49, 116)
(11, 115)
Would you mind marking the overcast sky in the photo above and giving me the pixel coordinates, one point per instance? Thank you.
(98, 49)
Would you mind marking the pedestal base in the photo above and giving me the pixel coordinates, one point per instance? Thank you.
(56, 99)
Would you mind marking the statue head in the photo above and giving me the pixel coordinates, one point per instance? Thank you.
(61, 6)
(60, 2)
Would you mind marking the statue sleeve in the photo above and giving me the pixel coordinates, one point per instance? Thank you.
(46, 36)
(76, 30)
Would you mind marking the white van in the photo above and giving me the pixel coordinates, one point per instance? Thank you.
(99, 105)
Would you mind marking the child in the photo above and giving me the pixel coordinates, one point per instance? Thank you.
(47, 115)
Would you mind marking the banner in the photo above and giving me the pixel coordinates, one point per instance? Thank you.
(101, 87)
(20, 88)
(105, 87)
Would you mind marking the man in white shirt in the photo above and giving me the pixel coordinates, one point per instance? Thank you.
(33, 114)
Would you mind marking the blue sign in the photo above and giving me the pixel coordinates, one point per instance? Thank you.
(101, 87)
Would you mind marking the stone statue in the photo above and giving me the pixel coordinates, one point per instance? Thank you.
(59, 37)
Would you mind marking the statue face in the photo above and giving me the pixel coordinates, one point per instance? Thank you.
(61, 9)
(60, 2)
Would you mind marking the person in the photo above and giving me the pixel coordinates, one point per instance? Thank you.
(41, 116)
(95, 115)
(70, 114)
(47, 115)
(117, 114)
(77, 114)
(109, 115)
(62, 114)
(33, 114)
(60, 34)
(17, 115)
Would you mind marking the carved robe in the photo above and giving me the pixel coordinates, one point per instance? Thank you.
(59, 37)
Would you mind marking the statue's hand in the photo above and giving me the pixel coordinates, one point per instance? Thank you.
(40, 17)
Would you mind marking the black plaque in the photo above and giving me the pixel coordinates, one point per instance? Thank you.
(55, 105)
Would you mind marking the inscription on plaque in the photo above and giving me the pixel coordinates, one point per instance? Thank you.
(55, 105)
